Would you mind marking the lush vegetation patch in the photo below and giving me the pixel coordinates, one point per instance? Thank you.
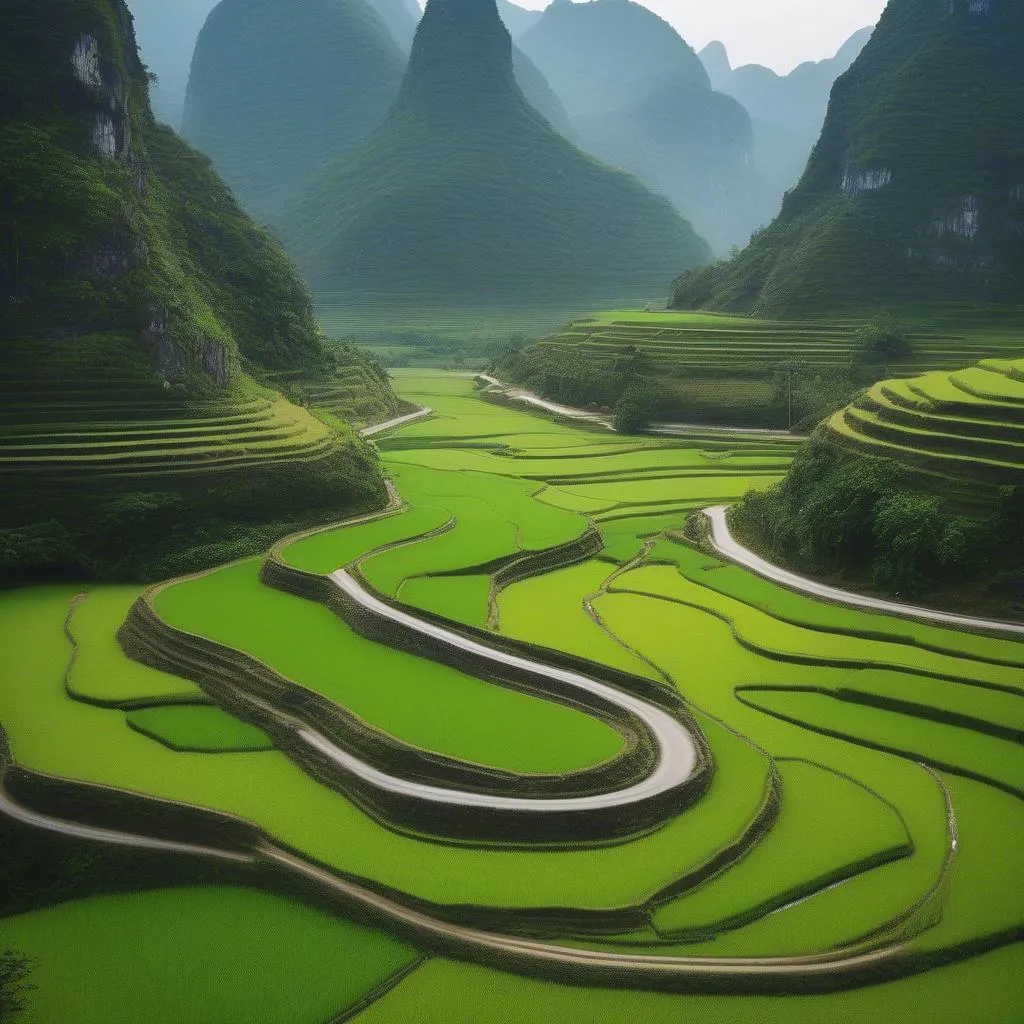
(840, 509)
(138, 304)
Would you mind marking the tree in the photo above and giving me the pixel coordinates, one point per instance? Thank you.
(14, 988)
(634, 409)
(880, 341)
(907, 531)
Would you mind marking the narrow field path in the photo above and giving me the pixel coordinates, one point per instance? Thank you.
(662, 428)
(836, 969)
(727, 545)
(678, 755)
(398, 421)
(529, 398)
(110, 837)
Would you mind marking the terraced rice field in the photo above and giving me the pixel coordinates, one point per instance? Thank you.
(718, 368)
(136, 439)
(708, 341)
(866, 792)
(956, 430)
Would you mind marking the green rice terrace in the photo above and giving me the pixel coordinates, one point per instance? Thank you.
(712, 367)
(520, 746)
(963, 428)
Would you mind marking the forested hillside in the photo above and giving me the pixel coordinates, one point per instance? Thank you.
(141, 311)
(915, 192)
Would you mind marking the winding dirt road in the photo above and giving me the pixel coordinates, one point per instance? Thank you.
(727, 545)
(665, 428)
(110, 837)
(398, 421)
(678, 755)
(529, 398)
(840, 967)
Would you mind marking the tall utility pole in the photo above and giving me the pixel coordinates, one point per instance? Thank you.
(789, 426)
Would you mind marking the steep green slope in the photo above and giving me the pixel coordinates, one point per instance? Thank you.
(280, 90)
(787, 110)
(920, 481)
(915, 191)
(465, 192)
(138, 302)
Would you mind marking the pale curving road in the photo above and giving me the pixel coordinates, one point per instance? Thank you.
(629, 968)
(529, 398)
(110, 837)
(665, 429)
(398, 421)
(727, 545)
(677, 752)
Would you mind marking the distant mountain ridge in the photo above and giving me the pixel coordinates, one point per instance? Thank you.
(640, 99)
(915, 191)
(278, 91)
(466, 191)
(787, 111)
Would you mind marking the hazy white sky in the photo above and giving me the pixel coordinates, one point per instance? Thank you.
(777, 33)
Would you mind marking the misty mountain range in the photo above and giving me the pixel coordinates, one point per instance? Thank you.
(276, 99)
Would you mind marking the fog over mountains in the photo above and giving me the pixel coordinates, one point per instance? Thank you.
(913, 193)
(466, 190)
(278, 93)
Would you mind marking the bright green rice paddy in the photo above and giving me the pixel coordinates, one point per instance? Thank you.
(198, 956)
(745, 654)
(200, 728)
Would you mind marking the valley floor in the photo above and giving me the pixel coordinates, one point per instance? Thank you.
(850, 837)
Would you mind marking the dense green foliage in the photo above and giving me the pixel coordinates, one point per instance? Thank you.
(839, 510)
(913, 193)
(425, 206)
(15, 969)
(137, 298)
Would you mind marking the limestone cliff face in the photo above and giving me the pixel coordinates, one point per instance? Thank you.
(913, 192)
(111, 229)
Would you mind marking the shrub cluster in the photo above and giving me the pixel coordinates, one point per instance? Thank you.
(837, 511)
